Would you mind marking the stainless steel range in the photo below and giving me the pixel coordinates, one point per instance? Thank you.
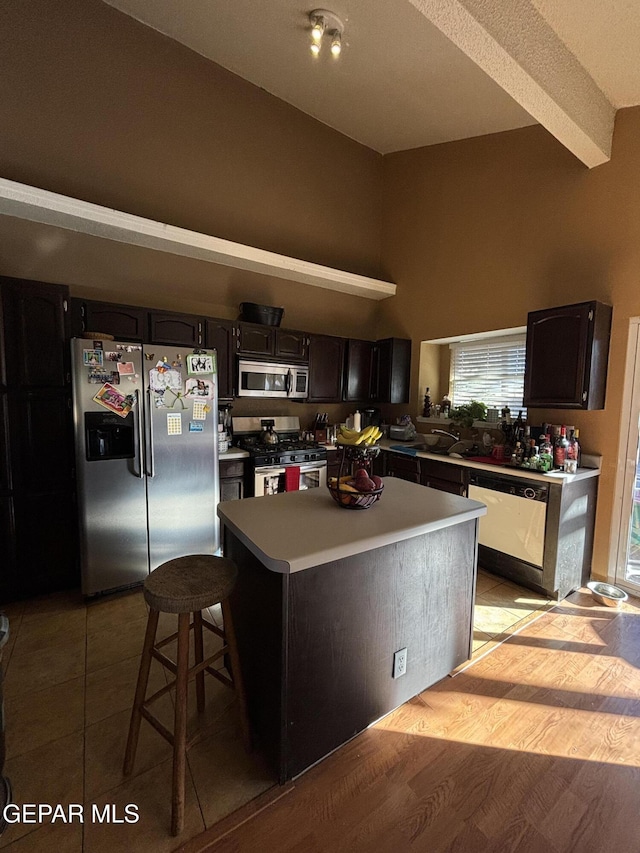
(280, 460)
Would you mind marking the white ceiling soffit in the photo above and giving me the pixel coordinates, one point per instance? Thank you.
(48, 208)
(518, 49)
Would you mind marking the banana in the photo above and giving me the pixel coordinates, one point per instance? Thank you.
(373, 436)
(341, 439)
(349, 434)
(367, 436)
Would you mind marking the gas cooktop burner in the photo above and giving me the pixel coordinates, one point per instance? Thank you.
(286, 452)
(256, 448)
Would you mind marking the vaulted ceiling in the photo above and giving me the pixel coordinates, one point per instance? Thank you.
(420, 72)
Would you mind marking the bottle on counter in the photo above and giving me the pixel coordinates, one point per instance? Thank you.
(560, 445)
(426, 409)
(573, 454)
(357, 420)
(546, 454)
(534, 456)
(518, 426)
(445, 406)
(517, 457)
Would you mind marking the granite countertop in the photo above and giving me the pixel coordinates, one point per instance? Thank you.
(318, 531)
(409, 449)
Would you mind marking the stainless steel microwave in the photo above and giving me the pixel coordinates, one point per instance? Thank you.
(266, 379)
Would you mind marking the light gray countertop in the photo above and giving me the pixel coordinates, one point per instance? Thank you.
(508, 470)
(293, 531)
(233, 453)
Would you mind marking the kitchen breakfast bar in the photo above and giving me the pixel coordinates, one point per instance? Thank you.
(326, 596)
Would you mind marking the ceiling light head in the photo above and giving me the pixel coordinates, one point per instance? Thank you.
(317, 27)
(336, 44)
(315, 48)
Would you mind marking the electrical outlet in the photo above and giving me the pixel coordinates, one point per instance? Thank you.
(399, 663)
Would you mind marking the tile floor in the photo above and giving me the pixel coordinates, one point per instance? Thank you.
(502, 608)
(70, 672)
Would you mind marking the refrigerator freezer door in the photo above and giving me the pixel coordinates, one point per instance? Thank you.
(182, 463)
(111, 485)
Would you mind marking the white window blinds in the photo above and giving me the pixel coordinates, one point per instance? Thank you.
(490, 371)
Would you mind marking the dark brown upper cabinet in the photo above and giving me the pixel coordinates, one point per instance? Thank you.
(359, 370)
(124, 322)
(36, 332)
(256, 339)
(221, 335)
(291, 345)
(567, 352)
(184, 330)
(326, 369)
(391, 370)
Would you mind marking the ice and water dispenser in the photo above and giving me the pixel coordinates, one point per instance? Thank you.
(108, 436)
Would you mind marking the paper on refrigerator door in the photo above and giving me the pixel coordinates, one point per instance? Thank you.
(174, 423)
(200, 409)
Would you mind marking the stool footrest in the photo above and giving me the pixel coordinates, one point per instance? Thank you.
(165, 661)
(158, 694)
(220, 676)
(213, 628)
(170, 639)
(157, 725)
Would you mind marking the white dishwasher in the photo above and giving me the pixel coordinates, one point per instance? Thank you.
(516, 515)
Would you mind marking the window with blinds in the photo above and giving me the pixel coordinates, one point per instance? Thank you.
(490, 371)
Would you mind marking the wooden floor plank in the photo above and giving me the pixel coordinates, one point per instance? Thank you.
(535, 748)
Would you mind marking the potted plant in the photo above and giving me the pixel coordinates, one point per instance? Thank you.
(467, 414)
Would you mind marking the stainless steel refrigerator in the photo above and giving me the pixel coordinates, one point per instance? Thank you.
(146, 458)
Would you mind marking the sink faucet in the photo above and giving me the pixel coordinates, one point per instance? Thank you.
(444, 432)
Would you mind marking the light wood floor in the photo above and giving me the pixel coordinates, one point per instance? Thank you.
(534, 748)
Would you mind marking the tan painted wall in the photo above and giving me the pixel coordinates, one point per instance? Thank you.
(478, 233)
(96, 106)
(475, 233)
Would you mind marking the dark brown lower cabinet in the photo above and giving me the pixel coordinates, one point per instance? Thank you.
(45, 526)
(403, 467)
(444, 476)
(232, 473)
(8, 539)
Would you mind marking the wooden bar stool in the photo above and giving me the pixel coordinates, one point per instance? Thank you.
(184, 586)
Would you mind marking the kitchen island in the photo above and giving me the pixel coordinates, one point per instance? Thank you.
(325, 598)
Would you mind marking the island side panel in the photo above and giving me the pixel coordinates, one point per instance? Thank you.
(258, 604)
(348, 617)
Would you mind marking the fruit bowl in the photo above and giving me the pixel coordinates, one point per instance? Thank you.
(354, 487)
(353, 499)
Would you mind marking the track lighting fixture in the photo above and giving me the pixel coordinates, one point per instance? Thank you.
(327, 23)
